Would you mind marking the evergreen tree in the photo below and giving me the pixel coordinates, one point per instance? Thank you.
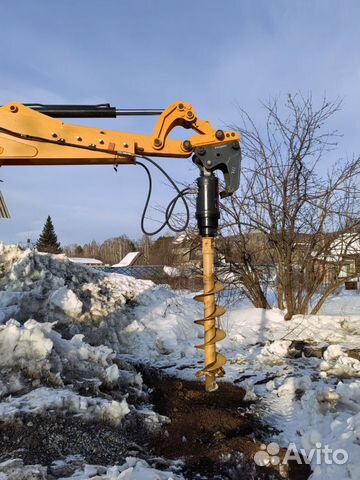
(48, 241)
(79, 251)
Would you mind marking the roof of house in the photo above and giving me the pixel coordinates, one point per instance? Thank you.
(128, 260)
(87, 261)
(346, 244)
(141, 272)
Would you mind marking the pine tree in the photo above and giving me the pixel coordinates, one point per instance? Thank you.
(79, 251)
(48, 241)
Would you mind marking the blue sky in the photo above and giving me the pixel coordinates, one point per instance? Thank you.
(147, 54)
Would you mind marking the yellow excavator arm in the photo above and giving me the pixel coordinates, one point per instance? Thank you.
(29, 137)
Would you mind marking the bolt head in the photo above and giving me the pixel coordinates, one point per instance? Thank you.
(187, 145)
(13, 108)
(157, 142)
(219, 134)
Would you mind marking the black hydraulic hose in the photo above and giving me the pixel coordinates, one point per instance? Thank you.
(172, 204)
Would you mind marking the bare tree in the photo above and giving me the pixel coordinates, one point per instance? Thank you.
(144, 246)
(287, 214)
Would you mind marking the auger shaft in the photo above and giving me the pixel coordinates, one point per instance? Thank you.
(208, 251)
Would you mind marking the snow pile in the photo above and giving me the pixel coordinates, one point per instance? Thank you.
(50, 309)
(338, 363)
(16, 470)
(134, 318)
(24, 354)
(67, 301)
(331, 416)
(51, 287)
(274, 353)
(304, 374)
(34, 354)
(47, 399)
(128, 315)
(132, 469)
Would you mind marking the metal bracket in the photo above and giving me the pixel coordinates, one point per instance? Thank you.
(226, 158)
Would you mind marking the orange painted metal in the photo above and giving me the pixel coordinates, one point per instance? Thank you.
(28, 137)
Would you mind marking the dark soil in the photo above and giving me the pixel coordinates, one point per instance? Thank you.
(214, 433)
(45, 438)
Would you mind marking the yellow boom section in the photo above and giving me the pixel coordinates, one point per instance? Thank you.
(28, 137)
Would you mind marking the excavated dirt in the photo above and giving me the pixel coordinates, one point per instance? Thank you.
(214, 433)
(45, 438)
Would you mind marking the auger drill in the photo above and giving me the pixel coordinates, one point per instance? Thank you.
(225, 158)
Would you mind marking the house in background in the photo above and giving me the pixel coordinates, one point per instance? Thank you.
(187, 250)
(344, 261)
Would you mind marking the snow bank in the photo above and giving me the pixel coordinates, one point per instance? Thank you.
(313, 399)
(51, 288)
(46, 399)
(148, 323)
(67, 301)
(338, 363)
(131, 316)
(16, 470)
(34, 354)
(132, 469)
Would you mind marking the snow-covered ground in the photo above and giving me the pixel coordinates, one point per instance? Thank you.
(65, 327)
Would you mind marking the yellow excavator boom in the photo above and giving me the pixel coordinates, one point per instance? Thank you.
(29, 137)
